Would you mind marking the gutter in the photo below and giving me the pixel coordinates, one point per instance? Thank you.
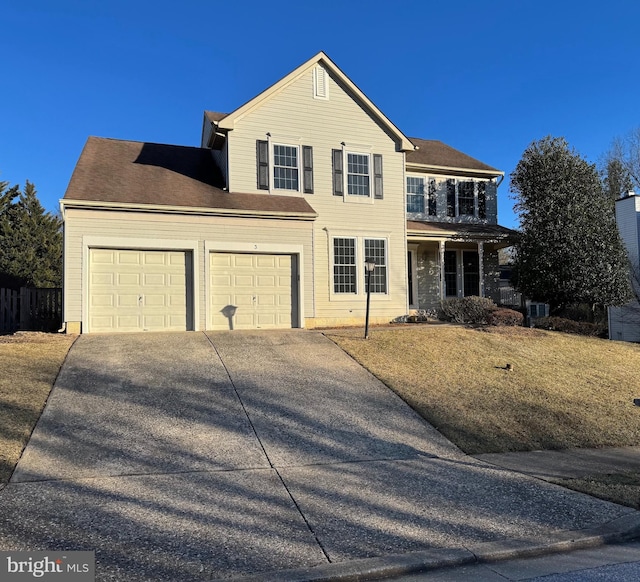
(156, 208)
(454, 170)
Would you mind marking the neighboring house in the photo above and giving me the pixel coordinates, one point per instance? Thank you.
(624, 322)
(513, 299)
(269, 222)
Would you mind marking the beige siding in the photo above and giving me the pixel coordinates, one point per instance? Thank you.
(149, 228)
(294, 117)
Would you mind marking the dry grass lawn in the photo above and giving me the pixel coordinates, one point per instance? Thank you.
(29, 364)
(564, 390)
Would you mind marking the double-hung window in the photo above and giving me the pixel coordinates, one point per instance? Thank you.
(285, 167)
(344, 265)
(349, 255)
(415, 194)
(466, 198)
(375, 248)
(421, 197)
(358, 174)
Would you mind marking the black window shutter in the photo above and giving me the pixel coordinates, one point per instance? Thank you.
(307, 160)
(451, 197)
(482, 199)
(377, 176)
(262, 156)
(338, 182)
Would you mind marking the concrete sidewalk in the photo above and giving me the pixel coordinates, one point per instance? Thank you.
(268, 454)
(569, 463)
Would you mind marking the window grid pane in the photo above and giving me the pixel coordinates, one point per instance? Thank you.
(375, 249)
(344, 265)
(358, 174)
(285, 167)
(415, 194)
(466, 201)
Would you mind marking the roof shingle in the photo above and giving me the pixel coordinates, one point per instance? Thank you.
(131, 172)
(436, 153)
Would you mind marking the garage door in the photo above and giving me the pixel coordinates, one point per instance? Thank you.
(134, 290)
(252, 291)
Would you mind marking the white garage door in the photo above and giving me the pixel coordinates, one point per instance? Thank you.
(252, 291)
(134, 290)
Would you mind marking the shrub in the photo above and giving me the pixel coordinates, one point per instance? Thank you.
(466, 309)
(570, 326)
(504, 316)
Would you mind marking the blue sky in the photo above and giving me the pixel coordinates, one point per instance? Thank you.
(485, 77)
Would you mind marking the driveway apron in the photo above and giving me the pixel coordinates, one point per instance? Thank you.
(193, 456)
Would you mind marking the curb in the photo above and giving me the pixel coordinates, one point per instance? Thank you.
(622, 529)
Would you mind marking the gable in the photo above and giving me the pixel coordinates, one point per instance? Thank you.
(322, 92)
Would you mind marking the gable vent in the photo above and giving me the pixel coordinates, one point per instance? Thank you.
(320, 83)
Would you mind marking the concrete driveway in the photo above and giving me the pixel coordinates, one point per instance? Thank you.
(196, 456)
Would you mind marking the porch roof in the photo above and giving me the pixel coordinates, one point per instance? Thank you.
(419, 230)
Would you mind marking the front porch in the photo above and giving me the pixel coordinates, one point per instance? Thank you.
(453, 260)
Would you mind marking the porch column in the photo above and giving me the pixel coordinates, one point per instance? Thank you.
(481, 266)
(441, 255)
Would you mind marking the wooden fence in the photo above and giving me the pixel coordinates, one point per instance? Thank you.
(30, 310)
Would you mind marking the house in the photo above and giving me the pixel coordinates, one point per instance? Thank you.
(624, 322)
(268, 223)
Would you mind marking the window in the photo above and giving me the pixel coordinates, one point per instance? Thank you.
(358, 174)
(471, 266)
(466, 199)
(349, 254)
(419, 200)
(344, 265)
(415, 194)
(284, 163)
(375, 249)
(450, 273)
(285, 167)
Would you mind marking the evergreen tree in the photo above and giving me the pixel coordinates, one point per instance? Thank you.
(30, 240)
(569, 250)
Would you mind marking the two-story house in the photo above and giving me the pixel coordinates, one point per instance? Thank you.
(624, 321)
(268, 223)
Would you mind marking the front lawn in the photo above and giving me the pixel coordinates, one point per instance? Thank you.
(29, 364)
(564, 390)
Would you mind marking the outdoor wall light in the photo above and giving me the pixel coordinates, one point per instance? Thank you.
(369, 266)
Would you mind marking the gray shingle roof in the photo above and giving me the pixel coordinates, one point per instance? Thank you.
(131, 172)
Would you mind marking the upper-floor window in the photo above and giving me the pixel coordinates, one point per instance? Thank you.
(280, 166)
(358, 174)
(419, 200)
(466, 198)
(285, 167)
